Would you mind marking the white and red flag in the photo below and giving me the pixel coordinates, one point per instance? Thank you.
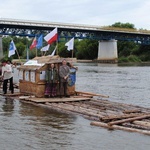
(52, 36)
(34, 43)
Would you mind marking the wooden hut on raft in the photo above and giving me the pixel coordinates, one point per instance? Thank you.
(32, 75)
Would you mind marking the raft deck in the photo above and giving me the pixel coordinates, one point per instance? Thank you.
(52, 100)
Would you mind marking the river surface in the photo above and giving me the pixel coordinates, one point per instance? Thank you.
(25, 126)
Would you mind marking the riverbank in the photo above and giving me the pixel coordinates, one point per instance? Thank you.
(119, 63)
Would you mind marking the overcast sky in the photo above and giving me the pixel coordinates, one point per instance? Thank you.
(90, 12)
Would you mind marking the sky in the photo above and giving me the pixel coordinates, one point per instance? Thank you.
(88, 12)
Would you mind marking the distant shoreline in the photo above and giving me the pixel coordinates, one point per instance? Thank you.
(121, 64)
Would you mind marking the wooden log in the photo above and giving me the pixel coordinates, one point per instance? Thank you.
(122, 116)
(115, 105)
(100, 124)
(93, 94)
(132, 111)
(136, 126)
(79, 110)
(142, 123)
(128, 120)
(88, 108)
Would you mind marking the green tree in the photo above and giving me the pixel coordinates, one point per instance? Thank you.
(123, 25)
(87, 49)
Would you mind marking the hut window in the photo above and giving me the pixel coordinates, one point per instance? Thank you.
(21, 74)
(27, 75)
(42, 75)
(32, 76)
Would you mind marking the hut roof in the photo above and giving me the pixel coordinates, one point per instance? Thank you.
(38, 62)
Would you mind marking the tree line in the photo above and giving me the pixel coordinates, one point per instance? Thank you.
(83, 49)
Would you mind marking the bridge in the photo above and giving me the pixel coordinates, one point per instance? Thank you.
(105, 35)
(31, 28)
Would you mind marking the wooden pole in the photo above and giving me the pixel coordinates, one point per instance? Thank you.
(45, 53)
(57, 47)
(93, 94)
(18, 55)
(27, 52)
(115, 117)
(72, 53)
(36, 52)
(105, 125)
(128, 120)
(142, 123)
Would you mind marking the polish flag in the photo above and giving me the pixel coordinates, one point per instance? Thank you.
(34, 43)
(51, 37)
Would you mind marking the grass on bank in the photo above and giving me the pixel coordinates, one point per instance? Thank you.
(131, 58)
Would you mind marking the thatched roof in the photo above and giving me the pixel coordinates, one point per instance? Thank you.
(53, 59)
(38, 62)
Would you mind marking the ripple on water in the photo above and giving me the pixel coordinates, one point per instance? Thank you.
(28, 127)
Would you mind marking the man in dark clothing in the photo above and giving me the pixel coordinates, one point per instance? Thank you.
(64, 71)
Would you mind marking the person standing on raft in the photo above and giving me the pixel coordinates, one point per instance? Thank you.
(51, 78)
(7, 75)
(64, 72)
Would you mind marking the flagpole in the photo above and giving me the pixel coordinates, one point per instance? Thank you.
(18, 55)
(72, 53)
(45, 53)
(57, 43)
(57, 47)
(36, 52)
(42, 53)
(27, 52)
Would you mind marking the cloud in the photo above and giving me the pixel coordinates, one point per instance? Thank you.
(92, 12)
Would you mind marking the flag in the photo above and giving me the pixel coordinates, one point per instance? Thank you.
(45, 48)
(70, 44)
(51, 37)
(34, 43)
(39, 42)
(12, 48)
(53, 53)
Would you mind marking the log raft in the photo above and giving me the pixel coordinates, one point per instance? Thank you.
(101, 112)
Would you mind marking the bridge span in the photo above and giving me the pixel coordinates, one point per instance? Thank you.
(106, 36)
(67, 30)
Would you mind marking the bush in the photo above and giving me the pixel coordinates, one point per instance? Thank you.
(133, 58)
(123, 59)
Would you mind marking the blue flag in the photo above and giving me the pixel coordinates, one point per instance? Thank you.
(39, 42)
(12, 48)
(72, 77)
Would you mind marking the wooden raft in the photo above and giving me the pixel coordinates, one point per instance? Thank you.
(111, 115)
(102, 113)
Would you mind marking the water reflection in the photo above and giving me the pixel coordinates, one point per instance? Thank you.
(8, 106)
(48, 126)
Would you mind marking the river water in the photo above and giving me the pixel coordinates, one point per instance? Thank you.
(25, 126)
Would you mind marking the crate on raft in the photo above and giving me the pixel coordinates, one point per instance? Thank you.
(32, 75)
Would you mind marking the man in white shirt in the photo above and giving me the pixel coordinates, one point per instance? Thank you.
(7, 75)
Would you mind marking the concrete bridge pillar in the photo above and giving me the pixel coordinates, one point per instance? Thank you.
(107, 51)
(1, 48)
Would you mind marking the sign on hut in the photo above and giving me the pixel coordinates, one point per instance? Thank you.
(32, 75)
